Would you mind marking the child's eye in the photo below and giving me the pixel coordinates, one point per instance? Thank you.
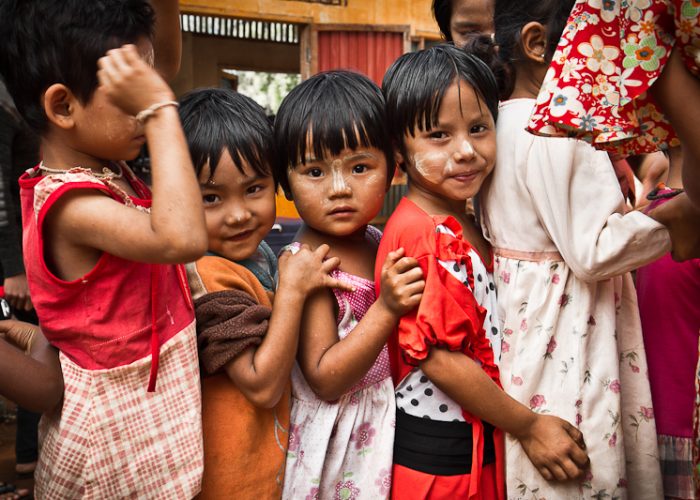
(314, 172)
(210, 199)
(478, 129)
(360, 169)
(255, 189)
(437, 134)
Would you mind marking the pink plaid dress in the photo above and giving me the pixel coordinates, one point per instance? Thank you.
(119, 327)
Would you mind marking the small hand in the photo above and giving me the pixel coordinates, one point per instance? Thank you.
(129, 82)
(402, 282)
(682, 219)
(17, 292)
(556, 448)
(309, 270)
(18, 333)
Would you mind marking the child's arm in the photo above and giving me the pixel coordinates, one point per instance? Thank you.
(332, 366)
(174, 231)
(167, 40)
(555, 447)
(578, 201)
(678, 94)
(682, 218)
(262, 372)
(34, 382)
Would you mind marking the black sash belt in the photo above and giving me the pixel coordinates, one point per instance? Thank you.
(437, 447)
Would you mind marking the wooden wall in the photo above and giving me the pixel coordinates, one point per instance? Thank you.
(415, 13)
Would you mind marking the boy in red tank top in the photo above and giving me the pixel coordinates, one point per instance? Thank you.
(102, 254)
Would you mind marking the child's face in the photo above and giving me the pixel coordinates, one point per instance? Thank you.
(451, 161)
(340, 195)
(239, 208)
(103, 130)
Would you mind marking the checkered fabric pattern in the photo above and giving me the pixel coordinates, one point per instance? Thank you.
(676, 457)
(112, 439)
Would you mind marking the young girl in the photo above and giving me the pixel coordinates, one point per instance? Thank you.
(442, 105)
(100, 252)
(334, 162)
(564, 245)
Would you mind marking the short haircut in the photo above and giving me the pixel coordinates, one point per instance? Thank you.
(215, 120)
(442, 12)
(340, 109)
(47, 41)
(415, 85)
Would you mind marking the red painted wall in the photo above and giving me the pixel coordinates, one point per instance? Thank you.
(369, 52)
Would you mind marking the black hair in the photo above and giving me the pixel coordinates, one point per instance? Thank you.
(415, 85)
(510, 16)
(46, 42)
(215, 120)
(442, 12)
(339, 109)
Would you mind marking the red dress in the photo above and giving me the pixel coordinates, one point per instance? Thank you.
(116, 328)
(449, 317)
(608, 57)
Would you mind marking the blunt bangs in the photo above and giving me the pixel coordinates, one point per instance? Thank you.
(215, 120)
(326, 114)
(415, 85)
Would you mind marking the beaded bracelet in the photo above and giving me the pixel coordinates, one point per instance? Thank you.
(151, 110)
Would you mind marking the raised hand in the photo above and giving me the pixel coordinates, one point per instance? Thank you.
(130, 82)
(402, 282)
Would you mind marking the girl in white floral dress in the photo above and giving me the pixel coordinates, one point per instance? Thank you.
(334, 161)
(564, 248)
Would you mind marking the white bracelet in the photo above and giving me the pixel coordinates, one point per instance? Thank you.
(151, 110)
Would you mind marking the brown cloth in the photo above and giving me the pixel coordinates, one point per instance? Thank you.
(228, 322)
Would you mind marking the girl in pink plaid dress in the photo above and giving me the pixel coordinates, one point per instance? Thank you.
(101, 253)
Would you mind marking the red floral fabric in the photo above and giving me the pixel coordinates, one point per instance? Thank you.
(609, 55)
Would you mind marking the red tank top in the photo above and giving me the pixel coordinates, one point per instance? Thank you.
(119, 312)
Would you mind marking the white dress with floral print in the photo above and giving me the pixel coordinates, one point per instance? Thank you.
(572, 336)
(343, 450)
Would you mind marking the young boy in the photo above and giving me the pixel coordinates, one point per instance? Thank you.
(101, 253)
(247, 346)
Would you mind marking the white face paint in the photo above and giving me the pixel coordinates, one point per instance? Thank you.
(466, 148)
(434, 165)
(340, 183)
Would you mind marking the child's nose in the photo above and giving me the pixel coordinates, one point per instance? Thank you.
(464, 150)
(339, 185)
(238, 215)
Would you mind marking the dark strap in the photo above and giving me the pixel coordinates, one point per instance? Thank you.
(437, 447)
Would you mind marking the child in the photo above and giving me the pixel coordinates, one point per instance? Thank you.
(246, 346)
(334, 162)
(442, 105)
(460, 20)
(573, 344)
(669, 308)
(100, 264)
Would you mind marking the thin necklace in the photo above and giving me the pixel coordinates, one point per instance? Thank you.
(106, 172)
